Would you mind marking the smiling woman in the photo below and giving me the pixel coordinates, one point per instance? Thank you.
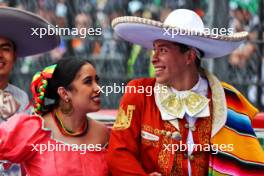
(72, 84)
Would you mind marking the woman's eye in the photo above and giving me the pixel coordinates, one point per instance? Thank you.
(88, 81)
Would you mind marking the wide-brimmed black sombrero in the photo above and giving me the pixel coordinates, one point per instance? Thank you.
(19, 25)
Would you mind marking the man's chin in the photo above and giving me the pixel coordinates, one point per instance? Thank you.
(161, 80)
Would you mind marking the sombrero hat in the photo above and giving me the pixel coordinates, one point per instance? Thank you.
(181, 26)
(17, 26)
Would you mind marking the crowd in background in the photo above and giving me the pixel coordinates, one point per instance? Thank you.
(116, 60)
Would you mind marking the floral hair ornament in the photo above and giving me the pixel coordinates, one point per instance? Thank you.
(38, 87)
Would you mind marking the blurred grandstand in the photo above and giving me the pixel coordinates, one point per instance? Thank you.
(118, 61)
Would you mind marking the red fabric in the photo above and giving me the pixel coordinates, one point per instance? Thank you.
(258, 121)
(22, 133)
(131, 154)
(126, 148)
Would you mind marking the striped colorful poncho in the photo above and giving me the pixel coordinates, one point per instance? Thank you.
(247, 158)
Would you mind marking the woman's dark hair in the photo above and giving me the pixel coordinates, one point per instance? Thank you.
(46, 83)
(63, 76)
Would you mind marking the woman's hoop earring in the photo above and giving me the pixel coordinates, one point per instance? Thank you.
(66, 107)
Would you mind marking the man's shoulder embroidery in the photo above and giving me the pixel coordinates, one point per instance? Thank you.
(123, 119)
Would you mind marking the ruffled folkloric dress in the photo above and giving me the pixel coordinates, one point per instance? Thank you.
(23, 139)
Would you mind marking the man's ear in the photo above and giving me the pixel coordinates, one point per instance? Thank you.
(64, 94)
(191, 57)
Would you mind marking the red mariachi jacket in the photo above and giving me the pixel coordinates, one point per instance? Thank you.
(142, 143)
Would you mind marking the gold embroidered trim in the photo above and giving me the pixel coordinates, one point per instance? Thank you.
(219, 111)
(169, 134)
(150, 143)
(164, 155)
(153, 130)
(132, 19)
(123, 120)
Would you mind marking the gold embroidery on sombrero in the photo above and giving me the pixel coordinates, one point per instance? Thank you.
(131, 19)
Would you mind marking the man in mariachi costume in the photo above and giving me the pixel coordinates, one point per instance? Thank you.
(18, 39)
(189, 106)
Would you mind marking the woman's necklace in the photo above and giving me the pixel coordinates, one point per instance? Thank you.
(68, 132)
